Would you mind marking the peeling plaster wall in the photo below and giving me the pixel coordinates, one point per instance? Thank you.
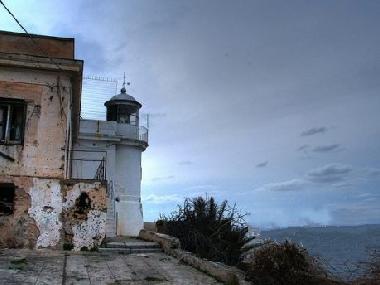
(91, 232)
(85, 229)
(46, 211)
(19, 230)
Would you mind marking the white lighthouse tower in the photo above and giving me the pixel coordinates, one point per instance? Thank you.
(124, 110)
(111, 152)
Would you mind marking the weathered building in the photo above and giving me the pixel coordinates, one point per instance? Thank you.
(41, 205)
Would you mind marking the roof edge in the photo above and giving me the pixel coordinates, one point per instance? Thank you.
(35, 36)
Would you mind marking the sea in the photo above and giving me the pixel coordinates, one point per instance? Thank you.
(345, 250)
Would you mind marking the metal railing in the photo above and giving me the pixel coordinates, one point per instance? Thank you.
(112, 199)
(88, 164)
(101, 173)
(143, 134)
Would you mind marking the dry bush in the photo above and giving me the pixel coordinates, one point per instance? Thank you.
(372, 275)
(210, 230)
(286, 264)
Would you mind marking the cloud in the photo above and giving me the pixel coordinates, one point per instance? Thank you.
(262, 164)
(161, 199)
(160, 178)
(366, 212)
(303, 147)
(314, 131)
(330, 173)
(185, 162)
(289, 185)
(326, 148)
(202, 187)
(373, 172)
(343, 185)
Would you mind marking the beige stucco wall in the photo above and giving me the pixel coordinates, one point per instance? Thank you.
(46, 125)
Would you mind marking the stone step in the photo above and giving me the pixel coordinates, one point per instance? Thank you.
(129, 250)
(131, 244)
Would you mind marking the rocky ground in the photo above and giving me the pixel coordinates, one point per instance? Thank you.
(59, 267)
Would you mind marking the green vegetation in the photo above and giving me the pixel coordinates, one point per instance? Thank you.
(210, 230)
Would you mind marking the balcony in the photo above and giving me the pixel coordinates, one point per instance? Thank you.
(113, 131)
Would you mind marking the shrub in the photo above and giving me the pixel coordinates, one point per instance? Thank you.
(372, 274)
(285, 264)
(210, 230)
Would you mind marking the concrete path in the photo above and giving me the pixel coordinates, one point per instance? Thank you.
(54, 267)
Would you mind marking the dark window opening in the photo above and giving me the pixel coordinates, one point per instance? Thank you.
(123, 114)
(83, 203)
(112, 113)
(7, 196)
(12, 120)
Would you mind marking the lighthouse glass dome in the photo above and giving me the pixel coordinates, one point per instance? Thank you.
(123, 108)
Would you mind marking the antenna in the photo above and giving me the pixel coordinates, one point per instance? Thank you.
(128, 83)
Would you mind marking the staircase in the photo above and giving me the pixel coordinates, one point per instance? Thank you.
(111, 211)
(129, 245)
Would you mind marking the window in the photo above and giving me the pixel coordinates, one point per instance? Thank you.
(12, 120)
(7, 195)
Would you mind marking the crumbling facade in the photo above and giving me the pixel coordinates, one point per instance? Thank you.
(41, 206)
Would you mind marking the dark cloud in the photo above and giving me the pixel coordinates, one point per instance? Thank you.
(326, 148)
(330, 173)
(314, 131)
(303, 147)
(262, 164)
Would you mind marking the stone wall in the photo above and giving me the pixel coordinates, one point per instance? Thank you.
(49, 213)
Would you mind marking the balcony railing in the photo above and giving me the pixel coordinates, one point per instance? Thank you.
(101, 173)
(88, 164)
(143, 134)
(113, 129)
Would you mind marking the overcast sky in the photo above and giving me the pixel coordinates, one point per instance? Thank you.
(274, 105)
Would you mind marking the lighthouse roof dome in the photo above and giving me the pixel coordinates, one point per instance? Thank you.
(123, 96)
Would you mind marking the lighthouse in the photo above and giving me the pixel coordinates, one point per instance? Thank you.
(111, 152)
(124, 110)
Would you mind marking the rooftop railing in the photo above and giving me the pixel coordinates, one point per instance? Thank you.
(113, 129)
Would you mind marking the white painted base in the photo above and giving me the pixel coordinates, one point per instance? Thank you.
(129, 218)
